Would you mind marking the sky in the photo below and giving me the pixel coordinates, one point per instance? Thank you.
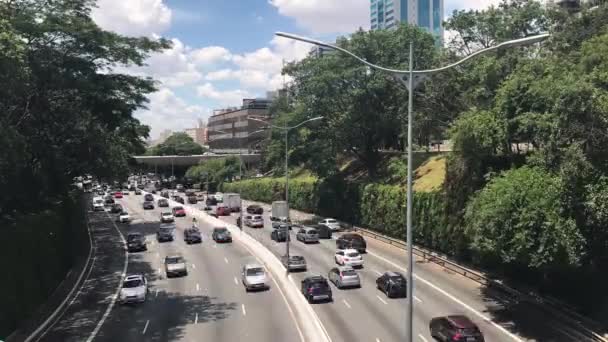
(225, 50)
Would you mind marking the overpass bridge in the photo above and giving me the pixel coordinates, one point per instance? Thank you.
(181, 161)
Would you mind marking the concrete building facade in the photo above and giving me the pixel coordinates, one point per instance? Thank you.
(428, 14)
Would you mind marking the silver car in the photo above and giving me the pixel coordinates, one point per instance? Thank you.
(344, 276)
(134, 289)
(175, 265)
(331, 224)
(307, 235)
(294, 263)
(254, 277)
(256, 221)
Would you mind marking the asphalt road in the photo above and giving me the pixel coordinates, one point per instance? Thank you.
(209, 304)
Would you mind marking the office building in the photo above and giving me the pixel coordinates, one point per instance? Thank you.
(428, 14)
(198, 134)
(229, 129)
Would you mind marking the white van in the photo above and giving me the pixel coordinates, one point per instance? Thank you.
(97, 203)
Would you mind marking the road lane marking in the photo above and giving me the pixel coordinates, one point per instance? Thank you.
(456, 300)
(243, 308)
(346, 303)
(143, 332)
(236, 282)
(422, 338)
(196, 318)
(225, 260)
(380, 299)
(418, 299)
(198, 288)
(156, 294)
(158, 270)
(378, 272)
(377, 339)
(193, 266)
(214, 246)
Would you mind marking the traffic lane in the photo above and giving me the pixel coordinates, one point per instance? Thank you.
(87, 308)
(255, 307)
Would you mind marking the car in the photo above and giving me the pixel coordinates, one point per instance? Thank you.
(212, 213)
(350, 240)
(109, 199)
(222, 210)
(294, 263)
(192, 199)
(162, 203)
(140, 186)
(324, 231)
(307, 235)
(137, 191)
(207, 208)
(166, 217)
(98, 204)
(148, 197)
(190, 192)
(180, 188)
(178, 211)
(116, 208)
(124, 217)
(344, 276)
(192, 235)
(316, 288)
(393, 284)
(178, 199)
(132, 187)
(455, 328)
(280, 235)
(134, 289)
(348, 257)
(254, 277)
(175, 265)
(118, 194)
(165, 233)
(148, 205)
(200, 197)
(125, 192)
(136, 242)
(164, 194)
(281, 223)
(219, 197)
(255, 209)
(221, 234)
(255, 221)
(211, 200)
(331, 224)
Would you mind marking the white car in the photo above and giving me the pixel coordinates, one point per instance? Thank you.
(98, 204)
(348, 257)
(134, 289)
(331, 224)
(124, 217)
(254, 277)
(175, 265)
(166, 217)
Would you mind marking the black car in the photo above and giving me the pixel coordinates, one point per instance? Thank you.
(393, 284)
(137, 192)
(136, 242)
(116, 208)
(192, 235)
(162, 203)
(221, 234)
(165, 233)
(148, 205)
(354, 241)
(280, 235)
(455, 328)
(109, 200)
(178, 199)
(192, 199)
(164, 194)
(140, 186)
(148, 197)
(323, 231)
(211, 200)
(255, 209)
(316, 288)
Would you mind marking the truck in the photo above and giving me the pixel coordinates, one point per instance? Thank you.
(232, 201)
(279, 210)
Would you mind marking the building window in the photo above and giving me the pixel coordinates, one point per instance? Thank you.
(424, 15)
(388, 19)
(390, 12)
(374, 20)
(374, 26)
(404, 10)
(437, 17)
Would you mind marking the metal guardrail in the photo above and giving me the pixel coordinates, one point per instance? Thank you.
(553, 306)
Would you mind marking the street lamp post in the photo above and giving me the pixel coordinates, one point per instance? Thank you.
(411, 79)
(286, 130)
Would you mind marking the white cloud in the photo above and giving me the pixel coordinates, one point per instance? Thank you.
(132, 17)
(225, 98)
(210, 55)
(168, 111)
(221, 75)
(326, 16)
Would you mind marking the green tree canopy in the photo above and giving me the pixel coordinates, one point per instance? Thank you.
(216, 171)
(178, 144)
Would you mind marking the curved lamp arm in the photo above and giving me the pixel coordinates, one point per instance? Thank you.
(287, 128)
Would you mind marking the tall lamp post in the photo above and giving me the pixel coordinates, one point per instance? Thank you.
(411, 79)
(286, 130)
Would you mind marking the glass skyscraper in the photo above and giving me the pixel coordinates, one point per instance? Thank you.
(428, 14)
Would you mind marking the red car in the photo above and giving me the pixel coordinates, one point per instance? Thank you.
(118, 194)
(178, 211)
(223, 211)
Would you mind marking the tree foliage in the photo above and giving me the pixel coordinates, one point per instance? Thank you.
(214, 171)
(178, 144)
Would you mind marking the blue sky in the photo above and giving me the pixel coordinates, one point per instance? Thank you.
(225, 50)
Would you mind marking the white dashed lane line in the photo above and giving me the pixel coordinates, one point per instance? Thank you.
(236, 281)
(346, 303)
(422, 338)
(196, 318)
(225, 260)
(418, 299)
(198, 288)
(243, 308)
(380, 299)
(143, 332)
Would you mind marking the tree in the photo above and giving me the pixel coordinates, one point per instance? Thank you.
(518, 220)
(215, 171)
(180, 144)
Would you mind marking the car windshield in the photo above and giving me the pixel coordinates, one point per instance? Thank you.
(256, 271)
(332, 221)
(258, 217)
(166, 214)
(166, 230)
(468, 331)
(133, 237)
(397, 279)
(352, 254)
(221, 230)
(178, 208)
(174, 260)
(311, 232)
(348, 273)
(297, 258)
(99, 201)
(132, 283)
(124, 213)
(319, 284)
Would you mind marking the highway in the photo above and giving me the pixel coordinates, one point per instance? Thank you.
(209, 304)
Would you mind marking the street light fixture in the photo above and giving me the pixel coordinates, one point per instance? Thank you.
(286, 130)
(411, 79)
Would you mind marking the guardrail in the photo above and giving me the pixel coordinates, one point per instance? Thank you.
(551, 305)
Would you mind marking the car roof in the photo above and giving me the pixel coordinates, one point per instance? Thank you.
(351, 235)
(166, 213)
(315, 278)
(461, 321)
(394, 274)
(345, 268)
(253, 265)
(134, 234)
